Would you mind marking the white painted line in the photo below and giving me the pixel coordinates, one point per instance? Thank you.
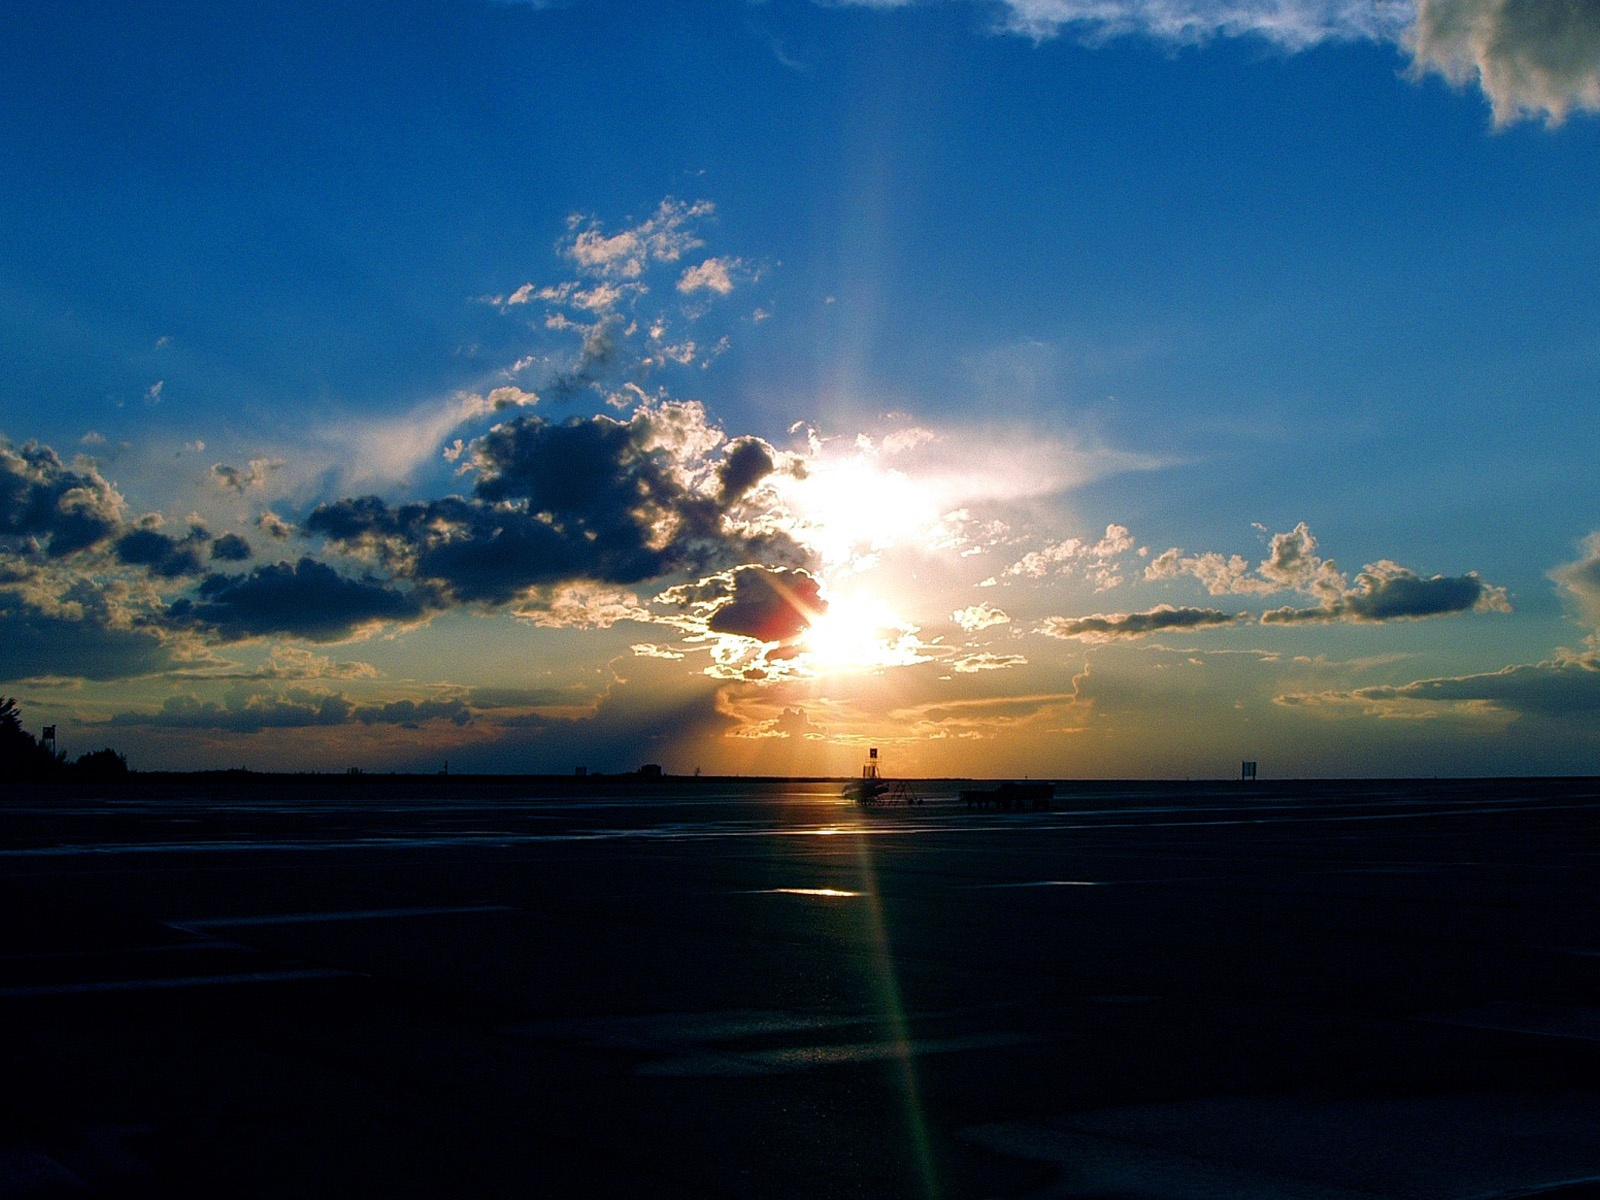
(181, 981)
(1032, 883)
(315, 918)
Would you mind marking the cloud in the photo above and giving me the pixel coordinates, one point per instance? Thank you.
(274, 526)
(715, 274)
(664, 237)
(655, 650)
(1291, 24)
(765, 605)
(1383, 591)
(1566, 687)
(979, 616)
(1292, 564)
(1386, 591)
(747, 463)
(162, 555)
(971, 664)
(90, 635)
(307, 599)
(410, 714)
(241, 479)
(48, 507)
(1106, 627)
(1581, 581)
(294, 708)
(581, 606)
(1530, 57)
(591, 499)
(230, 547)
(244, 713)
(1096, 560)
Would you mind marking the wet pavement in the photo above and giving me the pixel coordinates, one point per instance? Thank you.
(735, 989)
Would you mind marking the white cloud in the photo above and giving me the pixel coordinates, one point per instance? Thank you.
(664, 237)
(1581, 581)
(583, 606)
(971, 664)
(1097, 560)
(979, 616)
(715, 274)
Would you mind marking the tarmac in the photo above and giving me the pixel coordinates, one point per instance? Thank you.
(1386, 990)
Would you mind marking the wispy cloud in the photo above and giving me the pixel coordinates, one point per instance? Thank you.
(1292, 24)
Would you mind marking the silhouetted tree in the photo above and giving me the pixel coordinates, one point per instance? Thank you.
(101, 764)
(21, 756)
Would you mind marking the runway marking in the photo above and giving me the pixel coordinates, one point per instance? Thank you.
(181, 981)
(315, 918)
(1036, 883)
(790, 1059)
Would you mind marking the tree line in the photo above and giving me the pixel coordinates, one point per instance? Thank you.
(23, 756)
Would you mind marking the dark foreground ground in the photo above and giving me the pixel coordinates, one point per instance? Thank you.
(1159, 991)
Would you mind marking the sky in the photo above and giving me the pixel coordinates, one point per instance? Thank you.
(1065, 388)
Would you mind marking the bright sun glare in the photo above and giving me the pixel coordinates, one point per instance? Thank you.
(855, 507)
(858, 633)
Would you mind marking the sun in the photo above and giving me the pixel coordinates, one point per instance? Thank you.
(859, 632)
(850, 509)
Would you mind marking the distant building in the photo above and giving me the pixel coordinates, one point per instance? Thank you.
(650, 771)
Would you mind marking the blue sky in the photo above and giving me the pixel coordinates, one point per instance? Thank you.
(1032, 387)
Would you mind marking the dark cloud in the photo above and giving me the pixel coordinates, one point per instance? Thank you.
(1104, 627)
(95, 642)
(768, 605)
(245, 713)
(586, 499)
(1405, 594)
(306, 599)
(251, 712)
(748, 462)
(1388, 592)
(230, 547)
(164, 556)
(43, 502)
(412, 713)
